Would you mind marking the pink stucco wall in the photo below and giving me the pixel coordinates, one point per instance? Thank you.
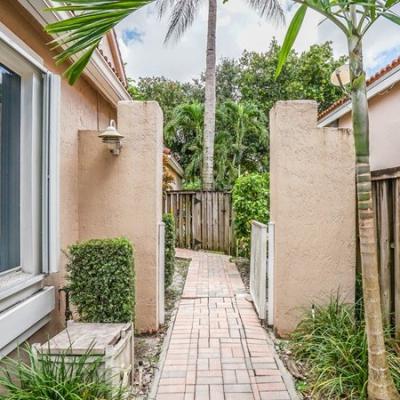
(312, 205)
(384, 129)
(82, 107)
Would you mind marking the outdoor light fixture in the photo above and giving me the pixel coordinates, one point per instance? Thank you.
(341, 76)
(112, 138)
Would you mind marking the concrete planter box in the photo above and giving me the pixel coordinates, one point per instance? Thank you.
(113, 343)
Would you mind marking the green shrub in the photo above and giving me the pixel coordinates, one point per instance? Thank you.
(250, 200)
(56, 378)
(332, 345)
(101, 280)
(169, 222)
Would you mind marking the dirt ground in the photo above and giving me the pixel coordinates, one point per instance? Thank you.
(148, 347)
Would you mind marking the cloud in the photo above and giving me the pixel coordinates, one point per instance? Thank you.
(132, 35)
(239, 28)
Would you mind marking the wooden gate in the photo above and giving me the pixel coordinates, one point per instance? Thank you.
(203, 219)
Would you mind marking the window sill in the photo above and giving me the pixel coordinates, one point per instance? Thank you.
(16, 286)
(22, 320)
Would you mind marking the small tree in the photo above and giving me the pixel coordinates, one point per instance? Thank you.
(354, 18)
(250, 201)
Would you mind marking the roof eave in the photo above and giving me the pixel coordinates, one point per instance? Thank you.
(386, 81)
(98, 70)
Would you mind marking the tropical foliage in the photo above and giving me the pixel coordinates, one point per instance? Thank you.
(330, 345)
(79, 36)
(246, 91)
(240, 143)
(169, 256)
(250, 201)
(182, 15)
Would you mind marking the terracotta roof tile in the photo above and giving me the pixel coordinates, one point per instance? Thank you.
(395, 63)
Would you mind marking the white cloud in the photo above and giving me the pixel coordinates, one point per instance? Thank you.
(239, 28)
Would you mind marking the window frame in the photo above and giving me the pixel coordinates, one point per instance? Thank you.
(30, 157)
(23, 297)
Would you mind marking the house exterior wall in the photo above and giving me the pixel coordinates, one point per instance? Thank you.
(176, 183)
(82, 107)
(121, 196)
(313, 207)
(384, 120)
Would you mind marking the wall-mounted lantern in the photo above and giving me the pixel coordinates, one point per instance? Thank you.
(112, 138)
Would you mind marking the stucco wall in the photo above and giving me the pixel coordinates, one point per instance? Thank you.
(384, 129)
(313, 207)
(121, 196)
(82, 107)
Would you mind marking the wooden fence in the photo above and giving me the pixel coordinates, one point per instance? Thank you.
(386, 196)
(203, 219)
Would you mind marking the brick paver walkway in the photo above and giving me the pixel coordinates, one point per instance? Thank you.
(218, 349)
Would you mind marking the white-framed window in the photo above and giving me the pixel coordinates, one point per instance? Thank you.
(29, 239)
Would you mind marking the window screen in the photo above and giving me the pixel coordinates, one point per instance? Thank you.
(10, 119)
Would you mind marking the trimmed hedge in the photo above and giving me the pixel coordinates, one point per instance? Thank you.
(250, 200)
(169, 222)
(101, 280)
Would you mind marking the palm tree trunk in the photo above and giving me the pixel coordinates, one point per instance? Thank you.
(380, 382)
(210, 99)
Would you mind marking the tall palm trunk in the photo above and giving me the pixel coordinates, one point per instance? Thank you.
(380, 382)
(210, 99)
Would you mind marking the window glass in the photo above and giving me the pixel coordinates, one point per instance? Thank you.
(10, 119)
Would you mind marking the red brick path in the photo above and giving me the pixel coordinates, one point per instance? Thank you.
(218, 349)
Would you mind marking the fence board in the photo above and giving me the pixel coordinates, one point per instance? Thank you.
(203, 219)
(383, 223)
(386, 198)
(258, 267)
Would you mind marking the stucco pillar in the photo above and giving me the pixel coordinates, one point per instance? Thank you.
(313, 207)
(122, 196)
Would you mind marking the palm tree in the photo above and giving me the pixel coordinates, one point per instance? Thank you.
(354, 18)
(92, 19)
(247, 125)
(184, 133)
(182, 16)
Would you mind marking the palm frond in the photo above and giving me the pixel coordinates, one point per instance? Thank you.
(163, 6)
(80, 35)
(182, 17)
(268, 8)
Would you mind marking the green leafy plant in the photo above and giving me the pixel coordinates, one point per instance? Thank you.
(250, 200)
(79, 36)
(169, 222)
(332, 345)
(101, 280)
(60, 377)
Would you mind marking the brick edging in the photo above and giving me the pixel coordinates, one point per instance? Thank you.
(163, 355)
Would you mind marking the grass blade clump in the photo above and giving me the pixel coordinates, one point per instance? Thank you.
(60, 377)
(332, 346)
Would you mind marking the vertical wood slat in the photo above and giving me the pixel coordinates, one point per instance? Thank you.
(203, 219)
(384, 249)
(209, 221)
(396, 255)
(221, 246)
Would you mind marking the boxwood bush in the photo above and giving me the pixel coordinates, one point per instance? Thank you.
(250, 200)
(101, 280)
(169, 222)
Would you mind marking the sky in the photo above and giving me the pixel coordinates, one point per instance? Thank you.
(141, 38)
